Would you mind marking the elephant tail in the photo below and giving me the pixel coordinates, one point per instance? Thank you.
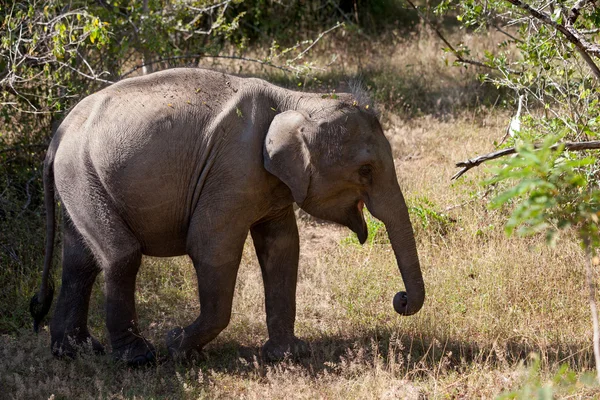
(42, 300)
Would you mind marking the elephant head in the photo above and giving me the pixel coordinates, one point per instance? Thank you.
(337, 160)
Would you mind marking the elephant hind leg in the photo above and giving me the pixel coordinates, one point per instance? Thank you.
(118, 254)
(127, 343)
(121, 256)
(68, 327)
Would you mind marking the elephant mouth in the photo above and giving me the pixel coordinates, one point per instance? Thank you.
(357, 221)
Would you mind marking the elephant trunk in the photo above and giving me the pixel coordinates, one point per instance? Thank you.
(392, 210)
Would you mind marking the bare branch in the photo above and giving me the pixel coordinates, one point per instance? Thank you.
(299, 56)
(262, 62)
(474, 162)
(63, 16)
(89, 67)
(210, 8)
(201, 13)
(499, 29)
(288, 68)
(93, 78)
(456, 53)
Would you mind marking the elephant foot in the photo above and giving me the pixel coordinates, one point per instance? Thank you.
(279, 350)
(71, 345)
(137, 353)
(177, 346)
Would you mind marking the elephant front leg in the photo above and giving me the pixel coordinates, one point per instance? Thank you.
(277, 247)
(69, 326)
(216, 257)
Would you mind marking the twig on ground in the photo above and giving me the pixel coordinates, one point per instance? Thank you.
(474, 162)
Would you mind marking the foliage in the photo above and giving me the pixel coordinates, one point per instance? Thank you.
(565, 382)
(549, 57)
(428, 218)
(554, 192)
(557, 191)
(54, 51)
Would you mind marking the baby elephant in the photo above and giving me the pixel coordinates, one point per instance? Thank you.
(187, 161)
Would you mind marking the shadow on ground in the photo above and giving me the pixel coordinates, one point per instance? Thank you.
(419, 352)
(405, 357)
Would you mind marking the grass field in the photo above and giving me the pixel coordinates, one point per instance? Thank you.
(502, 315)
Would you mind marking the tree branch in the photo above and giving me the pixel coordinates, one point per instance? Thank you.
(474, 162)
(93, 78)
(516, 39)
(36, 147)
(456, 53)
(577, 9)
(288, 68)
(265, 63)
(443, 39)
(591, 283)
(299, 56)
(571, 34)
(209, 8)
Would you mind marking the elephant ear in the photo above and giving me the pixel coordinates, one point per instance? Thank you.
(285, 152)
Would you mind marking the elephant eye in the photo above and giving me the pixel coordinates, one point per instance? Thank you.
(365, 171)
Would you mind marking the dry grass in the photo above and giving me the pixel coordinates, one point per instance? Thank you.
(492, 301)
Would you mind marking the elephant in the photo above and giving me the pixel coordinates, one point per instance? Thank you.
(187, 161)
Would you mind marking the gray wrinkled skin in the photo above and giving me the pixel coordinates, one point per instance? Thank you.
(188, 161)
